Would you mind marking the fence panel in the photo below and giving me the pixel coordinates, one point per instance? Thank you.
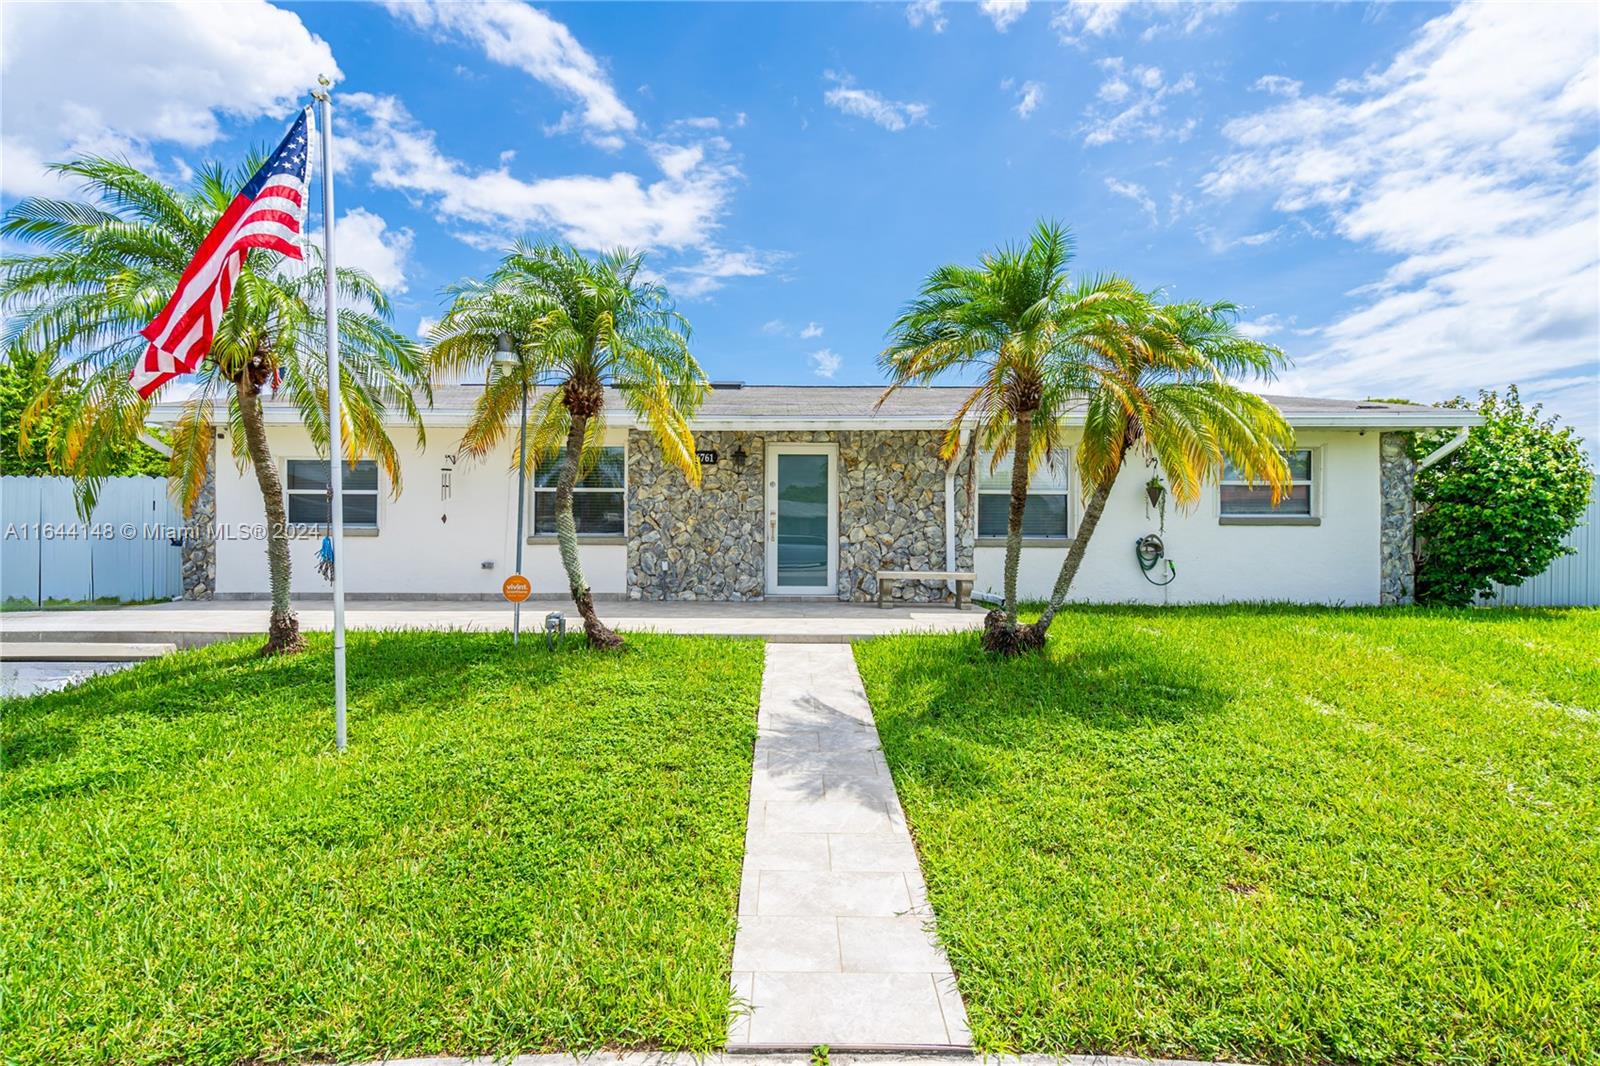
(1570, 581)
(123, 552)
(66, 560)
(19, 551)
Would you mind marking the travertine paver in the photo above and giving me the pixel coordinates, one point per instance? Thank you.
(835, 941)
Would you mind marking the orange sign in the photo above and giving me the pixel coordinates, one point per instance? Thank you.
(516, 588)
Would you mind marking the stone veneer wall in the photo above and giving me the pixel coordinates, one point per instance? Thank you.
(1397, 477)
(710, 543)
(200, 538)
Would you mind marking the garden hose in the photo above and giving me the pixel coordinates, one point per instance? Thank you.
(1150, 551)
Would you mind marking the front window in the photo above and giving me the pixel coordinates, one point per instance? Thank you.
(1240, 499)
(597, 499)
(306, 492)
(1046, 515)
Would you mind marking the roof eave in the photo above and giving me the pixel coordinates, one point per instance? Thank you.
(1422, 418)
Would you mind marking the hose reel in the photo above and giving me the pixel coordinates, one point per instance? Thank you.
(1151, 552)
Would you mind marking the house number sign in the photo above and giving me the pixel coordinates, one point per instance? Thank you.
(707, 456)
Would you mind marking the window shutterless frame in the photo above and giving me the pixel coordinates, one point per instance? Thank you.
(599, 499)
(305, 493)
(1049, 515)
(1239, 502)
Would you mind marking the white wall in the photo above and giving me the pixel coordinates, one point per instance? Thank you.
(1335, 562)
(414, 552)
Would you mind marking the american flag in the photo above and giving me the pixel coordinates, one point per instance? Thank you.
(267, 213)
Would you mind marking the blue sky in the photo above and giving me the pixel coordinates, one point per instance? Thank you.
(1403, 196)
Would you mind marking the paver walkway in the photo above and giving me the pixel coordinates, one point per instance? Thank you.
(835, 941)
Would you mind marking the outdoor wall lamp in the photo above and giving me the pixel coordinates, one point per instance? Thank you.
(739, 457)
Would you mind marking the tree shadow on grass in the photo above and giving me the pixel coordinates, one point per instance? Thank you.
(950, 714)
(390, 673)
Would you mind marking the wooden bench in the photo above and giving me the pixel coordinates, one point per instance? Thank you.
(962, 578)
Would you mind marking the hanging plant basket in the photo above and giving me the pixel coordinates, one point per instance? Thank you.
(1154, 490)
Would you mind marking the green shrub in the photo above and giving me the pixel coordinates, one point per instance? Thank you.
(1497, 508)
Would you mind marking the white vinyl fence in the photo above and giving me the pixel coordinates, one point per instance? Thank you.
(129, 549)
(1570, 581)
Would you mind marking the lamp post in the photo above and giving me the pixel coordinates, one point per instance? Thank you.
(505, 357)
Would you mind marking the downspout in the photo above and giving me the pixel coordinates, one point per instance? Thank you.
(950, 505)
(1444, 450)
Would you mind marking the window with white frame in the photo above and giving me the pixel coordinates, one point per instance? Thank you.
(597, 499)
(305, 492)
(1048, 510)
(1240, 499)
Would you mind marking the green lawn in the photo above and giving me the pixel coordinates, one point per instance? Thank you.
(520, 851)
(1270, 834)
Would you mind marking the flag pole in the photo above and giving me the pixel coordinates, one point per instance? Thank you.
(335, 443)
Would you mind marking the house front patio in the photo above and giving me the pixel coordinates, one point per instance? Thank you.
(192, 624)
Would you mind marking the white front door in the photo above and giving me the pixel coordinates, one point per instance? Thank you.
(802, 519)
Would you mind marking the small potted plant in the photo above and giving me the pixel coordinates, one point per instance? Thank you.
(1155, 490)
(1156, 493)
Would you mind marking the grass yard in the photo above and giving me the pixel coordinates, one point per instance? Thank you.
(1288, 835)
(520, 851)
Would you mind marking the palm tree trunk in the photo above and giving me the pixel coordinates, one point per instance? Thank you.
(600, 635)
(283, 629)
(1074, 559)
(1001, 633)
(1019, 504)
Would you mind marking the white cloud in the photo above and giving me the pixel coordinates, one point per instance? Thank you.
(810, 331)
(681, 208)
(425, 326)
(1132, 104)
(1029, 97)
(892, 115)
(1219, 242)
(1003, 12)
(142, 75)
(1262, 327)
(1136, 193)
(929, 12)
(364, 240)
(825, 362)
(715, 266)
(1078, 20)
(1277, 85)
(1470, 158)
(525, 38)
(775, 327)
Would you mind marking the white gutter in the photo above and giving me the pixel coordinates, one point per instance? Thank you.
(1444, 450)
(950, 504)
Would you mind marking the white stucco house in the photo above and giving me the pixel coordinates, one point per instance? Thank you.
(809, 491)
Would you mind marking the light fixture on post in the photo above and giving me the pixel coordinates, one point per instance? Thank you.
(505, 357)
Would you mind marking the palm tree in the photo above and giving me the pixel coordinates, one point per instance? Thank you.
(1008, 318)
(1165, 384)
(103, 270)
(579, 324)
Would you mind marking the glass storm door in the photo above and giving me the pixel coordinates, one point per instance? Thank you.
(802, 519)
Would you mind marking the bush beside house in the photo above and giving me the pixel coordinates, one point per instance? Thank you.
(1497, 508)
